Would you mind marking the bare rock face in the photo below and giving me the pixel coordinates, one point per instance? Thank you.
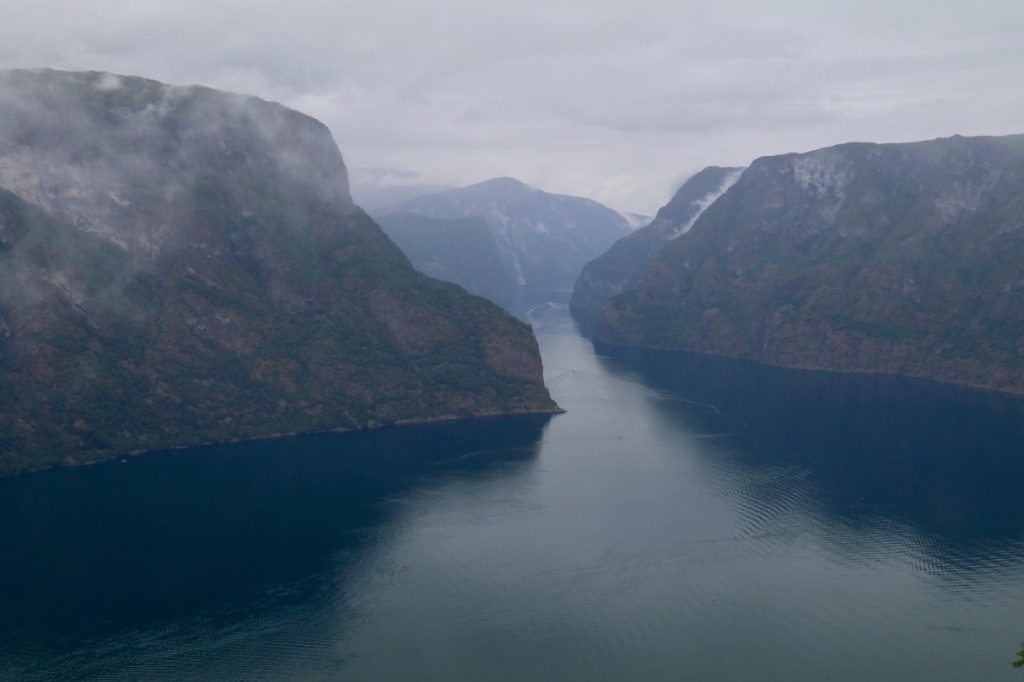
(898, 258)
(180, 265)
(621, 266)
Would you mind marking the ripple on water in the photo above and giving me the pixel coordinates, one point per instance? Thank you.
(661, 530)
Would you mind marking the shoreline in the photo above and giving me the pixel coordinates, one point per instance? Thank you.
(413, 421)
(1007, 392)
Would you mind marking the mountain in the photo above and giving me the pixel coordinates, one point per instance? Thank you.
(544, 239)
(180, 265)
(627, 260)
(895, 258)
(460, 250)
(637, 220)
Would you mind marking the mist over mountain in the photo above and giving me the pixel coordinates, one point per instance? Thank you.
(637, 220)
(891, 258)
(739, 397)
(544, 239)
(628, 259)
(180, 265)
(376, 190)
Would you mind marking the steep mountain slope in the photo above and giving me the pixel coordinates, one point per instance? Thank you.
(544, 239)
(461, 250)
(627, 260)
(895, 258)
(180, 265)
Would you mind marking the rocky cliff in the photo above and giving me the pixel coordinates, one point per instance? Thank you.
(180, 265)
(896, 258)
(544, 239)
(627, 260)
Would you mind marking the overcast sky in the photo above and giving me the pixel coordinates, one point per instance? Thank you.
(618, 101)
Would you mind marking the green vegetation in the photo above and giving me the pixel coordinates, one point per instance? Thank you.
(623, 265)
(250, 299)
(899, 258)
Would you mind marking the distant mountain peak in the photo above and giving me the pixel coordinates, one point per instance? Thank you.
(503, 186)
(503, 181)
(544, 238)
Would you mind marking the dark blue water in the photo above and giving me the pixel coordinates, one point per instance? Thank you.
(687, 519)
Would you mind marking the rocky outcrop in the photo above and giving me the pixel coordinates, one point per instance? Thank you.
(180, 265)
(460, 250)
(896, 258)
(543, 239)
(627, 260)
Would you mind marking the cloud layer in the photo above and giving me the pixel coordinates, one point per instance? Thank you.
(609, 100)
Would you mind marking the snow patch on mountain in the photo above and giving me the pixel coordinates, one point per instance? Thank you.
(705, 202)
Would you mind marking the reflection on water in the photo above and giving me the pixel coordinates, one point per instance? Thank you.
(946, 460)
(198, 547)
(688, 518)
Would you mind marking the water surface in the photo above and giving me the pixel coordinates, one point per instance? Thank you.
(687, 518)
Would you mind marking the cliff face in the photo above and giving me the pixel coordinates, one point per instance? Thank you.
(180, 265)
(543, 239)
(627, 260)
(897, 258)
(460, 250)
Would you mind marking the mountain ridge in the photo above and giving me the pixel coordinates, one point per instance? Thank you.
(900, 258)
(182, 266)
(624, 263)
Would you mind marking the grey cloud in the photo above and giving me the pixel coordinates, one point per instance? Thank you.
(599, 98)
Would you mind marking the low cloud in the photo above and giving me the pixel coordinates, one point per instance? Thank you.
(590, 98)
